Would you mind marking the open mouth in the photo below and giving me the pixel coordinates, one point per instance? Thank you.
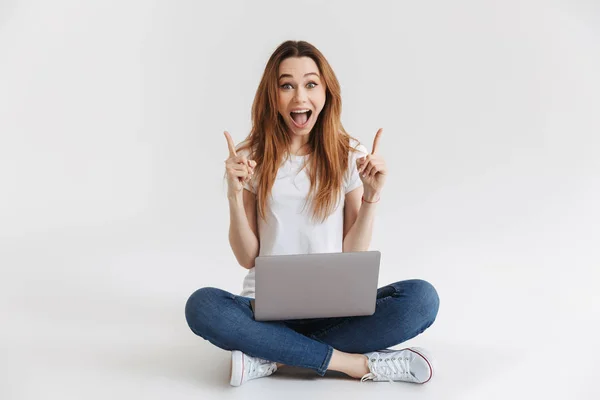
(301, 118)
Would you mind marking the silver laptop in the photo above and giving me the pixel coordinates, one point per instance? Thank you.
(318, 285)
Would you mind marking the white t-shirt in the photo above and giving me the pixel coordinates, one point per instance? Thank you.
(289, 228)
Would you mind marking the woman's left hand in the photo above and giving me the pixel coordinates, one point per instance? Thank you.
(372, 171)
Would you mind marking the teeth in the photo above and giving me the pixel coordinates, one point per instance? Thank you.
(300, 111)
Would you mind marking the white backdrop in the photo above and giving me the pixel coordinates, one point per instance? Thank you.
(113, 207)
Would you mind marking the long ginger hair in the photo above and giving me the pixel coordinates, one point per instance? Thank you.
(269, 140)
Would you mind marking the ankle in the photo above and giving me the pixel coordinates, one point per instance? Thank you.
(363, 365)
(357, 366)
(354, 365)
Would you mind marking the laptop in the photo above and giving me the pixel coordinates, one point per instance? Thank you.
(317, 285)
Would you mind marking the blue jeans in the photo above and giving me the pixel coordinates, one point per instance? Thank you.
(404, 309)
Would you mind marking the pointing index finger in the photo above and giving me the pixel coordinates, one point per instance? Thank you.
(230, 145)
(376, 140)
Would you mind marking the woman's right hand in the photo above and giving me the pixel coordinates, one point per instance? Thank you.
(239, 169)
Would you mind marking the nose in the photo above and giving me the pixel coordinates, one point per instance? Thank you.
(300, 95)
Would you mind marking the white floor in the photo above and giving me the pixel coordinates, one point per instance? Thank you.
(84, 323)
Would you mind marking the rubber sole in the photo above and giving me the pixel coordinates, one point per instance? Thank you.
(237, 368)
(428, 358)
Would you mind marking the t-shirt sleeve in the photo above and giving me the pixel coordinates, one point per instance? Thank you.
(352, 177)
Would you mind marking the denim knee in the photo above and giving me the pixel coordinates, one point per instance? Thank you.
(429, 300)
(198, 309)
(424, 297)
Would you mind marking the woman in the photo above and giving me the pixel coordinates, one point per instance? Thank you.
(298, 154)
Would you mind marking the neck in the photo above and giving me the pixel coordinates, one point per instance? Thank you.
(299, 145)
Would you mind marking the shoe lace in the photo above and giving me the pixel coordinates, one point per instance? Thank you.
(388, 366)
(261, 368)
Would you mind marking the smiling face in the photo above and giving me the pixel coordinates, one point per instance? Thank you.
(301, 94)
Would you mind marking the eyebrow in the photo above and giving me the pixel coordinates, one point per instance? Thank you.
(290, 76)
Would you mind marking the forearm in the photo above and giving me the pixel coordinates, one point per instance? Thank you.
(242, 239)
(359, 236)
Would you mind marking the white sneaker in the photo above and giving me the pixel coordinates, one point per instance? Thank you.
(245, 368)
(407, 365)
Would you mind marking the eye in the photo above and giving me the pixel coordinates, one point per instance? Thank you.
(312, 83)
(286, 84)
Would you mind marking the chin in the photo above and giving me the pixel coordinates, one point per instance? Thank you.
(303, 132)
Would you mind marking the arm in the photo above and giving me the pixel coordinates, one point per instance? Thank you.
(243, 228)
(358, 216)
(358, 220)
